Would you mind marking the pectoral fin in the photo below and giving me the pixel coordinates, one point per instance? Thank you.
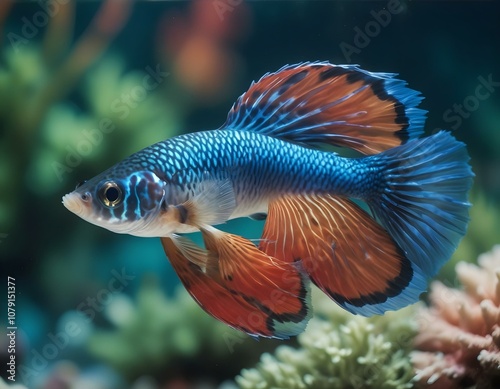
(344, 251)
(212, 202)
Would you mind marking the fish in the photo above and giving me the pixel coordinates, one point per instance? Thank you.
(368, 229)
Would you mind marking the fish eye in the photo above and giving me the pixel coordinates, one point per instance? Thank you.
(80, 184)
(110, 194)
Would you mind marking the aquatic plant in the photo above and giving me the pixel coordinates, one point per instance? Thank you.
(68, 110)
(459, 334)
(339, 350)
(118, 105)
(33, 76)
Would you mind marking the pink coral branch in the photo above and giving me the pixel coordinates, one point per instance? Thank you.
(459, 335)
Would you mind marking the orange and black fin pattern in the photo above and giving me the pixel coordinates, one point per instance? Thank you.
(344, 251)
(262, 296)
(277, 287)
(342, 105)
(213, 297)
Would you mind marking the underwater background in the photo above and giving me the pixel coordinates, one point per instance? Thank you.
(94, 309)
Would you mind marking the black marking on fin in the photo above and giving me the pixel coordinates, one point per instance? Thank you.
(293, 317)
(292, 80)
(258, 216)
(335, 71)
(353, 77)
(394, 288)
(379, 90)
(183, 213)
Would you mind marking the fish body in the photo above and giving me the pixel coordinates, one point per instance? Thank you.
(257, 166)
(265, 161)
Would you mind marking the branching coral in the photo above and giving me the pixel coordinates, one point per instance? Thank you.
(341, 351)
(152, 331)
(459, 339)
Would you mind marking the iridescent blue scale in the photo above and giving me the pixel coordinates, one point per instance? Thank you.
(257, 165)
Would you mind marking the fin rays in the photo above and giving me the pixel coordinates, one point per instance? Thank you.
(346, 254)
(337, 104)
(244, 279)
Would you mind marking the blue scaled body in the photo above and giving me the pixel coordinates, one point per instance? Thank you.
(258, 166)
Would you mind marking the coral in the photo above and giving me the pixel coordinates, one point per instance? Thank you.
(152, 330)
(459, 335)
(340, 350)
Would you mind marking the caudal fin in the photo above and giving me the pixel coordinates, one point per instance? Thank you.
(423, 203)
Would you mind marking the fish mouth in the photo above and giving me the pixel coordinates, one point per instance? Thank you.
(73, 203)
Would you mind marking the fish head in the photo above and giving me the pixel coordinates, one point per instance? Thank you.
(126, 202)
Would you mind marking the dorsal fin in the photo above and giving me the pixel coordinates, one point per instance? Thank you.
(341, 105)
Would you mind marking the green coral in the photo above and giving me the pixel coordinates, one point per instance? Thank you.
(339, 350)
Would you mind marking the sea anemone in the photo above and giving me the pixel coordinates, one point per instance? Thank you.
(459, 334)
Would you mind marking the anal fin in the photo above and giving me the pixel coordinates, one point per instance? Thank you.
(278, 288)
(212, 296)
(270, 300)
(345, 252)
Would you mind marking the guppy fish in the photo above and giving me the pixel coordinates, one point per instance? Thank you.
(266, 162)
